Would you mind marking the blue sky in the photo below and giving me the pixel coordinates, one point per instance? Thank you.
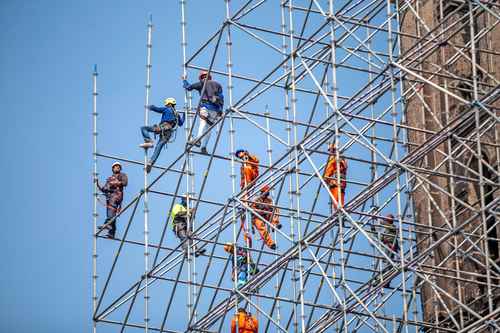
(48, 51)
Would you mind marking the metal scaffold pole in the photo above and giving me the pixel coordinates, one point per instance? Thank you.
(295, 192)
(95, 194)
(149, 46)
(232, 150)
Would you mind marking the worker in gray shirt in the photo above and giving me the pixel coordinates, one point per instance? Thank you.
(211, 104)
(113, 190)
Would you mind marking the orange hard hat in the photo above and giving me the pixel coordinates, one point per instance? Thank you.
(204, 73)
(265, 189)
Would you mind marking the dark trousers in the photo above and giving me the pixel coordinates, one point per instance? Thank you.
(113, 204)
(182, 232)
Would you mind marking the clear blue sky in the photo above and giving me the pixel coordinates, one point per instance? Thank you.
(48, 51)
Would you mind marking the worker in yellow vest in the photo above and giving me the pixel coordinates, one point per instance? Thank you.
(180, 214)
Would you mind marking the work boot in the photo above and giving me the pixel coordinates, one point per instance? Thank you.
(149, 166)
(272, 246)
(278, 226)
(204, 150)
(147, 144)
(110, 235)
(199, 252)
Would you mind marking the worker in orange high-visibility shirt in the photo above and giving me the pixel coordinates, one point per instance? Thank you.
(336, 181)
(245, 322)
(264, 206)
(249, 167)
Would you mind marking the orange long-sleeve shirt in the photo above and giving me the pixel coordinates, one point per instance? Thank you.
(246, 323)
(331, 171)
(264, 206)
(249, 170)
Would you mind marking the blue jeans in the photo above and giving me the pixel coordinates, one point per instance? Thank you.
(162, 141)
(242, 275)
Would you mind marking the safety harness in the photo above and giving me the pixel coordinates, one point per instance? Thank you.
(105, 204)
(164, 129)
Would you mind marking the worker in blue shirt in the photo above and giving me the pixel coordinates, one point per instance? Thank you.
(211, 104)
(170, 119)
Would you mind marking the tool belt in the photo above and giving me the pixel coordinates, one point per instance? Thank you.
(214, 100)
(163, 129)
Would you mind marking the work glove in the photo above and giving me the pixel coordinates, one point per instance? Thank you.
(185, 84)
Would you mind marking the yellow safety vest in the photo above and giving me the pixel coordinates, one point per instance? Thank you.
(178, 209)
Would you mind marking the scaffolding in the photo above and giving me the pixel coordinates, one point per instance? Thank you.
(413, 111)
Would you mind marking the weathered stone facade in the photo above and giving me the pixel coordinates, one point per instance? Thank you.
(436, 45)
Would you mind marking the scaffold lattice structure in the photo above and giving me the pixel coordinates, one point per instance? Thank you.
(407, 91)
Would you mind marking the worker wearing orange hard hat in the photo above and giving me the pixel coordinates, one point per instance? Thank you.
(264, 206)
(335, 176)
(244, 322)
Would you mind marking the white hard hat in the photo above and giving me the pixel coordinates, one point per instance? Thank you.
(116, 163)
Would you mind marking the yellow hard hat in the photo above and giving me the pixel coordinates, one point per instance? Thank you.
(169, 101)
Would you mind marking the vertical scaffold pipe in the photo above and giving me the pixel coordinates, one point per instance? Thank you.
(337, 158)
(479, 152)
(149, 46)
(191, 267)
(296, 192)
(95, 215)
(395, 138)
(288, 130)
(229, 66)
(270, 163)
(452, 187)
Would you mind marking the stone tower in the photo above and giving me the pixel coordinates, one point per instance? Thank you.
(450, 51)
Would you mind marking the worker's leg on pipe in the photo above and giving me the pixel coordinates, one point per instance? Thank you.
(159, 146)
(110, 220)
(182, 233)
(262, 229)
(207, 119)
(145, 130)
(339, 196)
(113, 205)
(203, 122)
